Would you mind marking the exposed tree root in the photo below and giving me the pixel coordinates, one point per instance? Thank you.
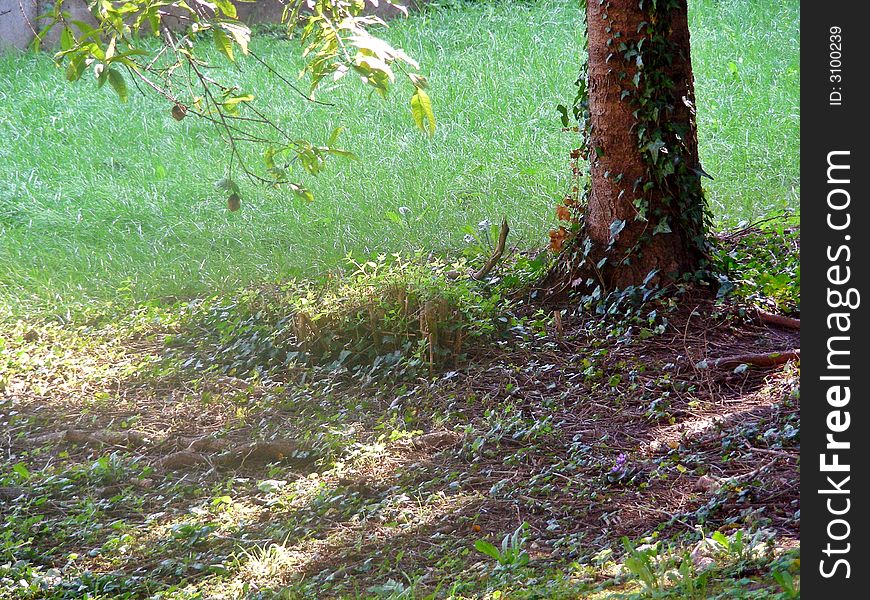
(200, 454)
(125, 439)
(770, 359)
(436, 440)
(779, 320)
(205, 451)
(10, 493)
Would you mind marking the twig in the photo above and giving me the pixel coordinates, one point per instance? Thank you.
(772, 452)
(496, 256)
(751, 474)
(287, 82)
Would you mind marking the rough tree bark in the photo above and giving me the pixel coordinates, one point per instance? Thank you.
(645, 209)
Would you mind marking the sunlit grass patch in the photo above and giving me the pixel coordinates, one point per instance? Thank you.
(108, 203)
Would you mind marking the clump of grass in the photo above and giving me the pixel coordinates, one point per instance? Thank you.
(386, 317)
(754, 268)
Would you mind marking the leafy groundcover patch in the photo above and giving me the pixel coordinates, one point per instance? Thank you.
(409, 433)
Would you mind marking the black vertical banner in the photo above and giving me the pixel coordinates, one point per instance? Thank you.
(835, 424)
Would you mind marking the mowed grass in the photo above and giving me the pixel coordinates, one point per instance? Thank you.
(103, 202)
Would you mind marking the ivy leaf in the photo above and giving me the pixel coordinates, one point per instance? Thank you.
(654, 147)
(421, 110)
(563, 110)
(616, 227)
(649, 276)
(700, 172)
(662, 227)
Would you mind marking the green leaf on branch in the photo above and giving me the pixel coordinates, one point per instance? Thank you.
(75, 68)
(116, 80)
(343, 153)
(102, 74)
(224, 45)
(302, 192)
(333, 137)
(67, 40)
(418, 80)
(421, 110)
(232, 102)
(227, 185)
(334, 37)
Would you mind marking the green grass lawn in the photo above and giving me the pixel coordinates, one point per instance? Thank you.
(101, 201)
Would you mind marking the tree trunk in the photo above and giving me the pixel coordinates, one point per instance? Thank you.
(645, 208)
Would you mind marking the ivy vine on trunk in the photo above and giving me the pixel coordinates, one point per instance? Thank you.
(641, 215)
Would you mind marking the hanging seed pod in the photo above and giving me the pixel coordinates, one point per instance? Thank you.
(179, 111)
(234, 203)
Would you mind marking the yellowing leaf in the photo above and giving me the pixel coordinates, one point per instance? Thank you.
(233, 100)
(372, 64)
(227, 8)
(421, 110)
(240, 33)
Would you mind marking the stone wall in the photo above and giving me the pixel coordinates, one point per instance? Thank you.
(19, 20)
(269, 11)
(19, 24)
